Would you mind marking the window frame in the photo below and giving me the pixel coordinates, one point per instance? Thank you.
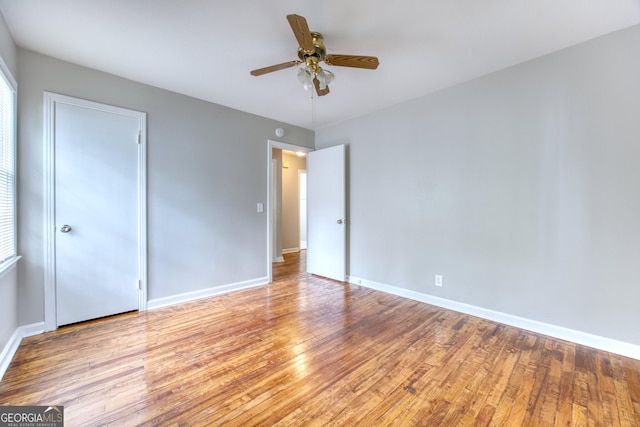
(5, 74)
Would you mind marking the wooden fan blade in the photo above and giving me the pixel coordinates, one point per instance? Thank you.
(320, 92)
(356, 61)
(301, 31)
(272, 68)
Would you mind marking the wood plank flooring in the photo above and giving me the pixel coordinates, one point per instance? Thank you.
(314, 352)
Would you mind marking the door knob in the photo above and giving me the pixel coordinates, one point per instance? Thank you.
(339, 221)
(65, 228)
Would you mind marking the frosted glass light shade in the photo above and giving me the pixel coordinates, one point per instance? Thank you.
(305, 76)
(324, 78)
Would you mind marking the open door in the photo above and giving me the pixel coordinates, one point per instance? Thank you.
(326, 213)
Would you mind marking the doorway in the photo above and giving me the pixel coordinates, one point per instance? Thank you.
(293, 165)
(275, 244)
(95, 192)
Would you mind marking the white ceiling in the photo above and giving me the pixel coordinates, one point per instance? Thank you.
(206, 48)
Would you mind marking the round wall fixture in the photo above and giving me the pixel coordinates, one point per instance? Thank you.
(279, 132)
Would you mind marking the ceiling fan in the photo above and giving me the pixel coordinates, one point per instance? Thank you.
(311, 52)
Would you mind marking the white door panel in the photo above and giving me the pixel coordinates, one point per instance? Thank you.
(326, 213)
(96, 194)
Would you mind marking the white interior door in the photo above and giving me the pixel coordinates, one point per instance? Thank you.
(326, 213)
(96, 157)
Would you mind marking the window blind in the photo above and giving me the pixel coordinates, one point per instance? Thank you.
(7, 169)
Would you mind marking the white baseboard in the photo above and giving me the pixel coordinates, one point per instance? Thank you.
(279, 259)
(191, 296)
(9, 351)
(290, 250)
(578, 337)
(11, 347)
(32, 329)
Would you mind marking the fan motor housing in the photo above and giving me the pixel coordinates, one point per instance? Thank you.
(319, 50)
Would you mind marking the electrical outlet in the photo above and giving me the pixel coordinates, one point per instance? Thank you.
(438, 280)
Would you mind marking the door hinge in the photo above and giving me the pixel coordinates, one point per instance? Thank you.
(139, 136)
(139, 284)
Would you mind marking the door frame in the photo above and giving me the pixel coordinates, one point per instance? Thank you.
(50, 101)
(271, 144)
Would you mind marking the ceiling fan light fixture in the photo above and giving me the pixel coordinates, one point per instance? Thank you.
(311, 52)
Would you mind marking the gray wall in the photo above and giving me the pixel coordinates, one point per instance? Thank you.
(7, 47)
(522, 188)
(207, 169)
(8, 283)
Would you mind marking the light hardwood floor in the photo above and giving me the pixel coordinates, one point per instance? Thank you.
(309, 351)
